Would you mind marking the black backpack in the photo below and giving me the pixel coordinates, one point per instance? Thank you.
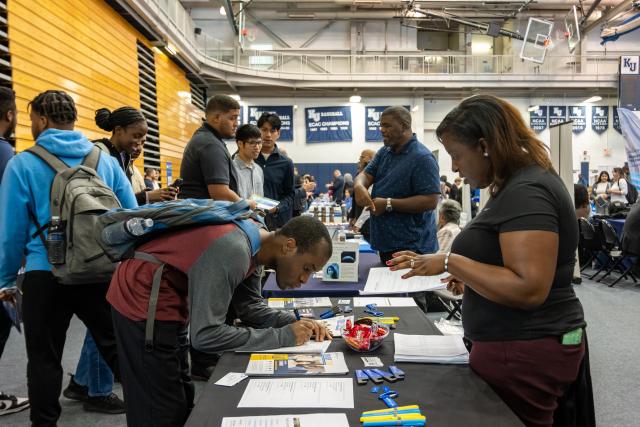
(632, 193)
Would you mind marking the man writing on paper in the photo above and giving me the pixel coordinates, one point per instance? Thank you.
(406, 188)
(208, 269)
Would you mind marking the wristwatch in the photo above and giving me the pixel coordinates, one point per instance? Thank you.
(389, 207)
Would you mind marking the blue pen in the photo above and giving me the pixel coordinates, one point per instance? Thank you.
(297, 313)
(417, 423)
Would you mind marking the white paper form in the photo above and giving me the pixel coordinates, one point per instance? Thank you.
(298, 393)
(381, 280)
(299, 302)
(384, 302)
(301, 420)
(310, 347)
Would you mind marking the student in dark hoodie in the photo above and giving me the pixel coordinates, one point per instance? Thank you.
(48, 305)
(128, 129)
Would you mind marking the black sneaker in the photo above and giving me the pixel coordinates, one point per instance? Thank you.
(111, 404)
(10, 404)
(75, 391)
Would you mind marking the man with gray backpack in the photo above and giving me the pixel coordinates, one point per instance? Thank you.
(50, 200)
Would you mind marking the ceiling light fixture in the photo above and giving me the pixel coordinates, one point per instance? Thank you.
(355, 99)
(415, 108)
(171, 49)
(223, 12)
(533, 108)
(236, 97)
(592, 99)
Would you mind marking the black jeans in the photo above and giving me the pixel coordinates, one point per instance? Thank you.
(47, 308)
(5, 328)
(158, 391)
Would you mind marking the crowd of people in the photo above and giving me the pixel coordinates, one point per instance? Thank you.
(513, 263)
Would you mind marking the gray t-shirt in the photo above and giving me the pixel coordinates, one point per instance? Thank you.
(250, 178)
(206, 161)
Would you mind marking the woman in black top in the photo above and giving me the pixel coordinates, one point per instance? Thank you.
(513, 262)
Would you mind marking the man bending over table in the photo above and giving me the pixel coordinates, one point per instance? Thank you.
(212, 266)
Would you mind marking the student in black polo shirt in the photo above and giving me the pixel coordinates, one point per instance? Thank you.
(207, 168)
(278, 171)
(514, 262)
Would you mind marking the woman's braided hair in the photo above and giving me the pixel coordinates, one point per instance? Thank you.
(56, 105)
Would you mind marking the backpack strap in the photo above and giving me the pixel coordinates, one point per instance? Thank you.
(52, 161)
(253, 233)
(92, 159)
(153, 297)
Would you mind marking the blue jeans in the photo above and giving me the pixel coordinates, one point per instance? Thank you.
(92, 371)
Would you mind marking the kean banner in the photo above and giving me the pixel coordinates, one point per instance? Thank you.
(538, 119)
(578, 113)
(630, 126)
(600, 118)
(372, 123)
(557, 115)
(616, 120)
(328, 124)
(285, 112)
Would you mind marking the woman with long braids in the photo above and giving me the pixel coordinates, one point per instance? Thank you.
(128, 129)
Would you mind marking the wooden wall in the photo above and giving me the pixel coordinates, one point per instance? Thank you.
(88, 50)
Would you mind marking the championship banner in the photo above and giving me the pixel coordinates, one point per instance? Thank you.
(328, 124)
(630, 126)
(599, 118)
(616, 120)
(285, 112)
(372, 123)
(578, 113)
(538, 119)
(557, 114)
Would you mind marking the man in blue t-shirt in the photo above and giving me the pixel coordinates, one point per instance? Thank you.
(406, 187)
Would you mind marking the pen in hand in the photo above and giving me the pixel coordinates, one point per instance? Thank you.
(297, 313)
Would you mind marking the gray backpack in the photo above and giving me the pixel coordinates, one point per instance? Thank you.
(78, 197)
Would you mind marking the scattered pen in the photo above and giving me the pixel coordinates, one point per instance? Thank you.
(297, 313)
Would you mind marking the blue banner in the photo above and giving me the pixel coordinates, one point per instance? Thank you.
(600, 118)
(372, 123)
(578, 114)
(557, 114)
(285, 112)
(616, 120)
(538, 119)
(328, 124)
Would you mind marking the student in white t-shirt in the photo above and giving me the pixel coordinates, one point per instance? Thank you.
(600, 193)
(619, 188)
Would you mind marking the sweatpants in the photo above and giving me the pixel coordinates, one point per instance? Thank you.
(157, 387)
(530, 376)
(47, 308)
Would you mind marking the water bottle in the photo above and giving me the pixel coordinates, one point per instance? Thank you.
(56, 242)
(342, 235)
(343, 209)
(122, 232)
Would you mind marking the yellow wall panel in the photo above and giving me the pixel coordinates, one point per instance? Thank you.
(178, 118)
(82, 47)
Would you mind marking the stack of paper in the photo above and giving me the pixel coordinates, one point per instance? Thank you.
(299, 302)
(296, 364)
(381, 280)
(310, 347)
(299, 420)
(384, 302)
(430, 349)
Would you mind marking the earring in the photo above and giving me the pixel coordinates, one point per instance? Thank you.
(486, 154)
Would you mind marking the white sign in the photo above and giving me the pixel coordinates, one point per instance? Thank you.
(629, 64)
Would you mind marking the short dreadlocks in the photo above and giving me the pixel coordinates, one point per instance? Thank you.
(56, 105)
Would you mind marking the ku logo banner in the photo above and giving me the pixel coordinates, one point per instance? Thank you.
(600, 118)
(538, 119)
(328, 124)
